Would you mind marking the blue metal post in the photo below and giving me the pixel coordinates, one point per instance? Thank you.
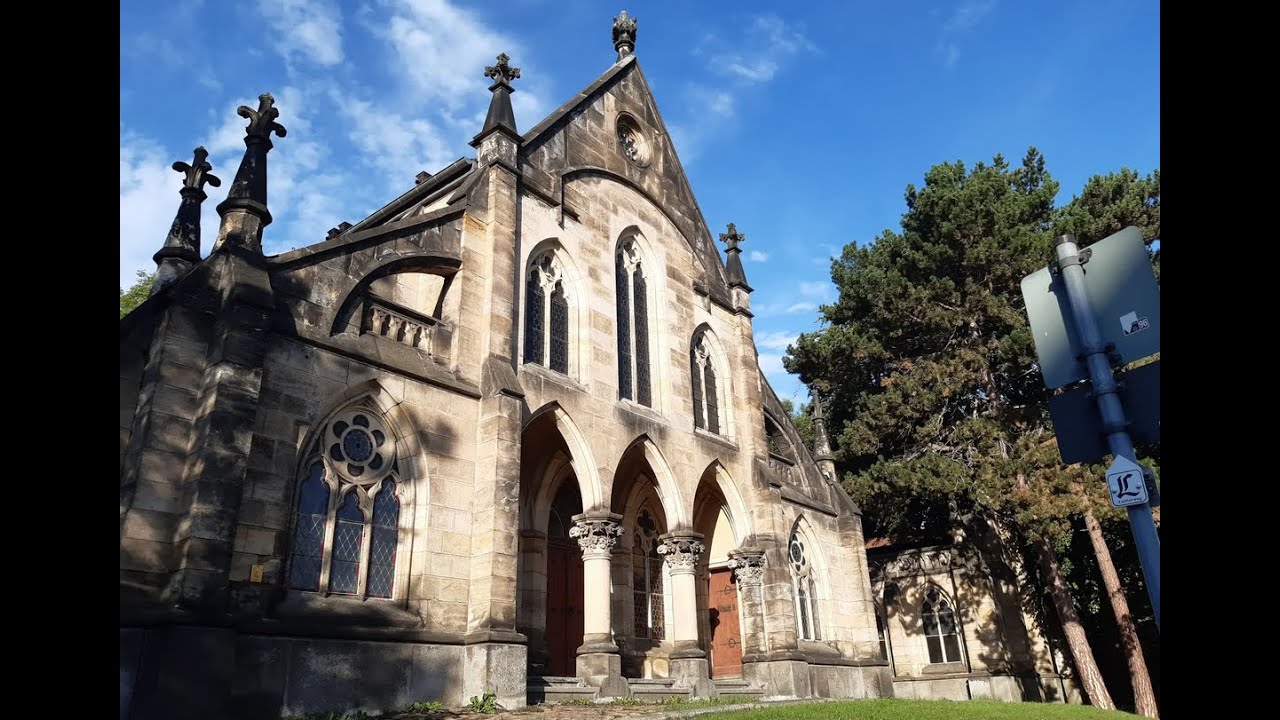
(1114, 423)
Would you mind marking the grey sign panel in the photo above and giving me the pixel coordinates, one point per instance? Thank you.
(1079, 429)
(1125, 298)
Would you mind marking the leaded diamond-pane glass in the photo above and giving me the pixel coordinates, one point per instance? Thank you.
(348, 536)
(533, 308)
(640, 613)
(308, 532)
(559, 331)
(623, 288)
(695, 378)
(643, 395)
(657, 627)
(383, 540)
(951, 644)
(803, 602)
(713, 406)
(813, 610)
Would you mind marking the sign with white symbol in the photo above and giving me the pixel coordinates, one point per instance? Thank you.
(1131, 323)
(1126, 483)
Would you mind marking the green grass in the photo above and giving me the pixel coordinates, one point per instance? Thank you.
(923, 710)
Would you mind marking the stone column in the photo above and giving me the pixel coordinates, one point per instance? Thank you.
(748, 569)
(599, 662)
(682, 550)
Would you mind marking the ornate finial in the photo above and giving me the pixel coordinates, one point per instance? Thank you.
(262, 122)
(198, 172)
(624, 35)
(502, 73)
(733, 238)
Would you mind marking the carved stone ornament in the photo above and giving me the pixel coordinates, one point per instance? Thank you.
(502, 73)
(262, 122)
(748, 568)
(596, 535)
(198, 172)
(733, 238)
(359, 447)
(624, 34)
(681, 553)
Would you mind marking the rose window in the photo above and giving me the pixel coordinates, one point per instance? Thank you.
(360, 447)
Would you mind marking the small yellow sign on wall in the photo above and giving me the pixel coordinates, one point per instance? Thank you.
(255, 573)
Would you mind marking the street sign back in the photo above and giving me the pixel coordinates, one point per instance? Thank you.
(1079, 427)
(1125, 298)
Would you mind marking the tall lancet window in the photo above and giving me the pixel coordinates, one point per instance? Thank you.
(346, 528)
(806, 589)
(633, 326)
(546, 315)
(940, 631)
(646, 579)
(706, 396)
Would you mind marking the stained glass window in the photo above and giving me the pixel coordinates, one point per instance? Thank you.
(713, 409)
(354, 455)
(559, 330)
(623, 286)
(806, 590)
(643, 393)
(348, 537)
(696, 379)
(533, 322)
(383, 541)
(308, 532)
(648, 618)
(940, 629)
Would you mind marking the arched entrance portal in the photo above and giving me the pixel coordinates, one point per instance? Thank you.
(719, 618)
(564, 583)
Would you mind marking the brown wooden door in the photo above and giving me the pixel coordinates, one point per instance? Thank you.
(726, 635)
(564, 608)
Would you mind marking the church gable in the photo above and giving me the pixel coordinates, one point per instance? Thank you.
(613, 129)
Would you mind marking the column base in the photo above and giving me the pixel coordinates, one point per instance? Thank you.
(603, 670)
(692, 673)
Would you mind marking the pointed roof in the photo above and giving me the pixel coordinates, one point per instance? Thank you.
(501, 116)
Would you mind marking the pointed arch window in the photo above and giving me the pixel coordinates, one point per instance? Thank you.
(546, 314)
(633, 325)
(940, 632)
(646, 579)
(347, 518)
(805, 588)
(706, 398)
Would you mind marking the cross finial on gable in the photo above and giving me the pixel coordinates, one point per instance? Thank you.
(502, 73)
(262, 122)
(733, 238)
(624, 35)
(198, 172)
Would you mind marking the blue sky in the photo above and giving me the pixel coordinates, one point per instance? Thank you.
(800, 122)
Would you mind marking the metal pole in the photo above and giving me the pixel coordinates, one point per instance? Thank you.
(1114, 423)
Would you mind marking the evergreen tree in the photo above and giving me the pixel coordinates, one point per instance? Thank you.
(928, 368)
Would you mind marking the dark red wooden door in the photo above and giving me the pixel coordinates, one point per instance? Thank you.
(564, 608)
(726, 635)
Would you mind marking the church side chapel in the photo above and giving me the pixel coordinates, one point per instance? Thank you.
(507, 434)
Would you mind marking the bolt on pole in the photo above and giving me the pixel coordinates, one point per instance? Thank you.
(1114, 423)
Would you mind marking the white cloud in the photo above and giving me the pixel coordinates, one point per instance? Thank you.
(776, 339)
(820, 289)
(399, 147)
(441, 49)
(758, 53)
(310, 29)
(771, 364)
(148, 202)
(968, 14)
(800, 307)
(757, 256)
(721, 103)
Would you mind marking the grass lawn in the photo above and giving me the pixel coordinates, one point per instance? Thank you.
(923, 710)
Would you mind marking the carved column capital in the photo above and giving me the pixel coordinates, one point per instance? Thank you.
(597, 534)
(748, 566)
(682, 550)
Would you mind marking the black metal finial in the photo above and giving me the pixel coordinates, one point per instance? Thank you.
(198, 172)
(262, 122)
(733, 238)
(502, 73)
(624, 35)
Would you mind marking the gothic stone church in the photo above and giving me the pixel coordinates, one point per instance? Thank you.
(508, 433)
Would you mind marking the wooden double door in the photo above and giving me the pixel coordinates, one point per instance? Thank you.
(564, 608)
(726, 632)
